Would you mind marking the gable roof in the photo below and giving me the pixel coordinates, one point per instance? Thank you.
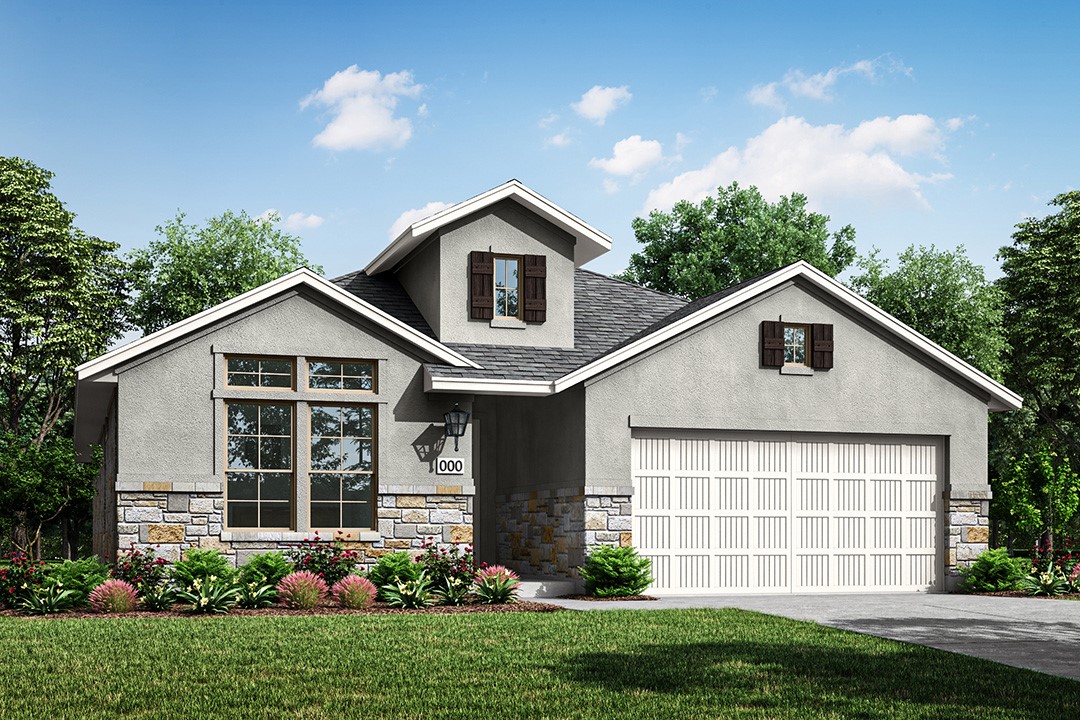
(303, 277)
(589, 243)
(691, 315)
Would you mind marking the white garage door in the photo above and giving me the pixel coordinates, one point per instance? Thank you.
(776, 512)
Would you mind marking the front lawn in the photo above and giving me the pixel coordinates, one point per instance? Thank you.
(611, 664)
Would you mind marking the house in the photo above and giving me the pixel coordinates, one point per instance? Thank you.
(784, 435)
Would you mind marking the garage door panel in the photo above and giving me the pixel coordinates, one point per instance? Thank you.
(764, 512)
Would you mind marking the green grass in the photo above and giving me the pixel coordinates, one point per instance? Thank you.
(610, 664)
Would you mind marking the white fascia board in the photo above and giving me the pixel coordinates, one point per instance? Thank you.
(596, 243)
(1001, 397)
(478, 386)
(302, 276)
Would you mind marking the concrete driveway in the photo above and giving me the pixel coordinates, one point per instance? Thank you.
(1031, 633)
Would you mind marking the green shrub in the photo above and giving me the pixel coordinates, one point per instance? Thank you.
(159, 597)
(615, 572)
(256, 595)
(46, 599)
(266, 568)
(393, 568)
(201, 564)
(993, 571)
(80, 577)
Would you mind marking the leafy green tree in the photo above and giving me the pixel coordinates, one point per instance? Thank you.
(696, 250)
(944, 296)
(1041, 283)
(1039, 493)
(42, 483)
(62, 301)
(190, 268)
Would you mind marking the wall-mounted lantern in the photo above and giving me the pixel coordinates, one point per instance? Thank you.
(456, 420)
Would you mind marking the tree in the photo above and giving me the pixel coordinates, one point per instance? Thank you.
(1039, 493)
(1041, 286)
(43, 483)
(62, 301)
(1041, 283)
(191, 268)
(944, 296)
(696, 250)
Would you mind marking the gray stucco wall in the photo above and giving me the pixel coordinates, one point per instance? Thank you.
(711, 379)
(420, 276)
(171, 405)
(505, 229)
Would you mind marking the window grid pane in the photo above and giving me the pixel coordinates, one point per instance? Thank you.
(794, 345)
(331, 375)
(259, 438)
(259, 372)
(342, 466)
(506, 287)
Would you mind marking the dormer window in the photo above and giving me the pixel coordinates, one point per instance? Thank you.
(507, 293)
(507, 286)
(795, 337)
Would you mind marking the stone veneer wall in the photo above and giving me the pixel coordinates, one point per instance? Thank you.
(172, 522)
(968, 523)
(546, 533)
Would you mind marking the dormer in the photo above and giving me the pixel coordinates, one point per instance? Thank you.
(497, 269)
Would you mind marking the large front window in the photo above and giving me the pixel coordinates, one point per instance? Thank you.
(279, 409)
(795, 344)
(258, 474)
(342, 465)
(506, 286)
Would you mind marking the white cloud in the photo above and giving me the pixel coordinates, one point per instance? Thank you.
(708, 93)
(819, 86)
(422, 111)
(681, 141)
(822, 161)
(599, 102)
(560, 140)
(294, 222)
(547, 120)
(408, 217)
(630, 157)
(955, 123)
(302, 221)
(610, 186)
(362, 105)
(766, 95)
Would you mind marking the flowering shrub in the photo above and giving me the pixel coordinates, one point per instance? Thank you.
(444, 564)
(302, 590)
(48, 598)
(114, 596)
(392, 569)
(19, 577)
(412, 594)
(1047, 582)
(354, 592)
(159, 597)
(329, 559)
(495, 585)
(140, 568)
(210, 595)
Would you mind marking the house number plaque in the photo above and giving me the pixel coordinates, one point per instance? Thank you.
(449, 466)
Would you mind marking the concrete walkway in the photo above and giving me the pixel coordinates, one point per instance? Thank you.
(1037, 634)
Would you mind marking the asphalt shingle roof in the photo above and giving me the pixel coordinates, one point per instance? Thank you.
(385, 292)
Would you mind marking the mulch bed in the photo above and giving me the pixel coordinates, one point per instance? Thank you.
(608, 599)
(1022, 594)
(380, 608)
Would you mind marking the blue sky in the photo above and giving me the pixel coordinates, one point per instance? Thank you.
(942, 123)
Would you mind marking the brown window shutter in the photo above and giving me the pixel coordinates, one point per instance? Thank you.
(821, 346)
(481, 285)
(772, 343)
(535, 288)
